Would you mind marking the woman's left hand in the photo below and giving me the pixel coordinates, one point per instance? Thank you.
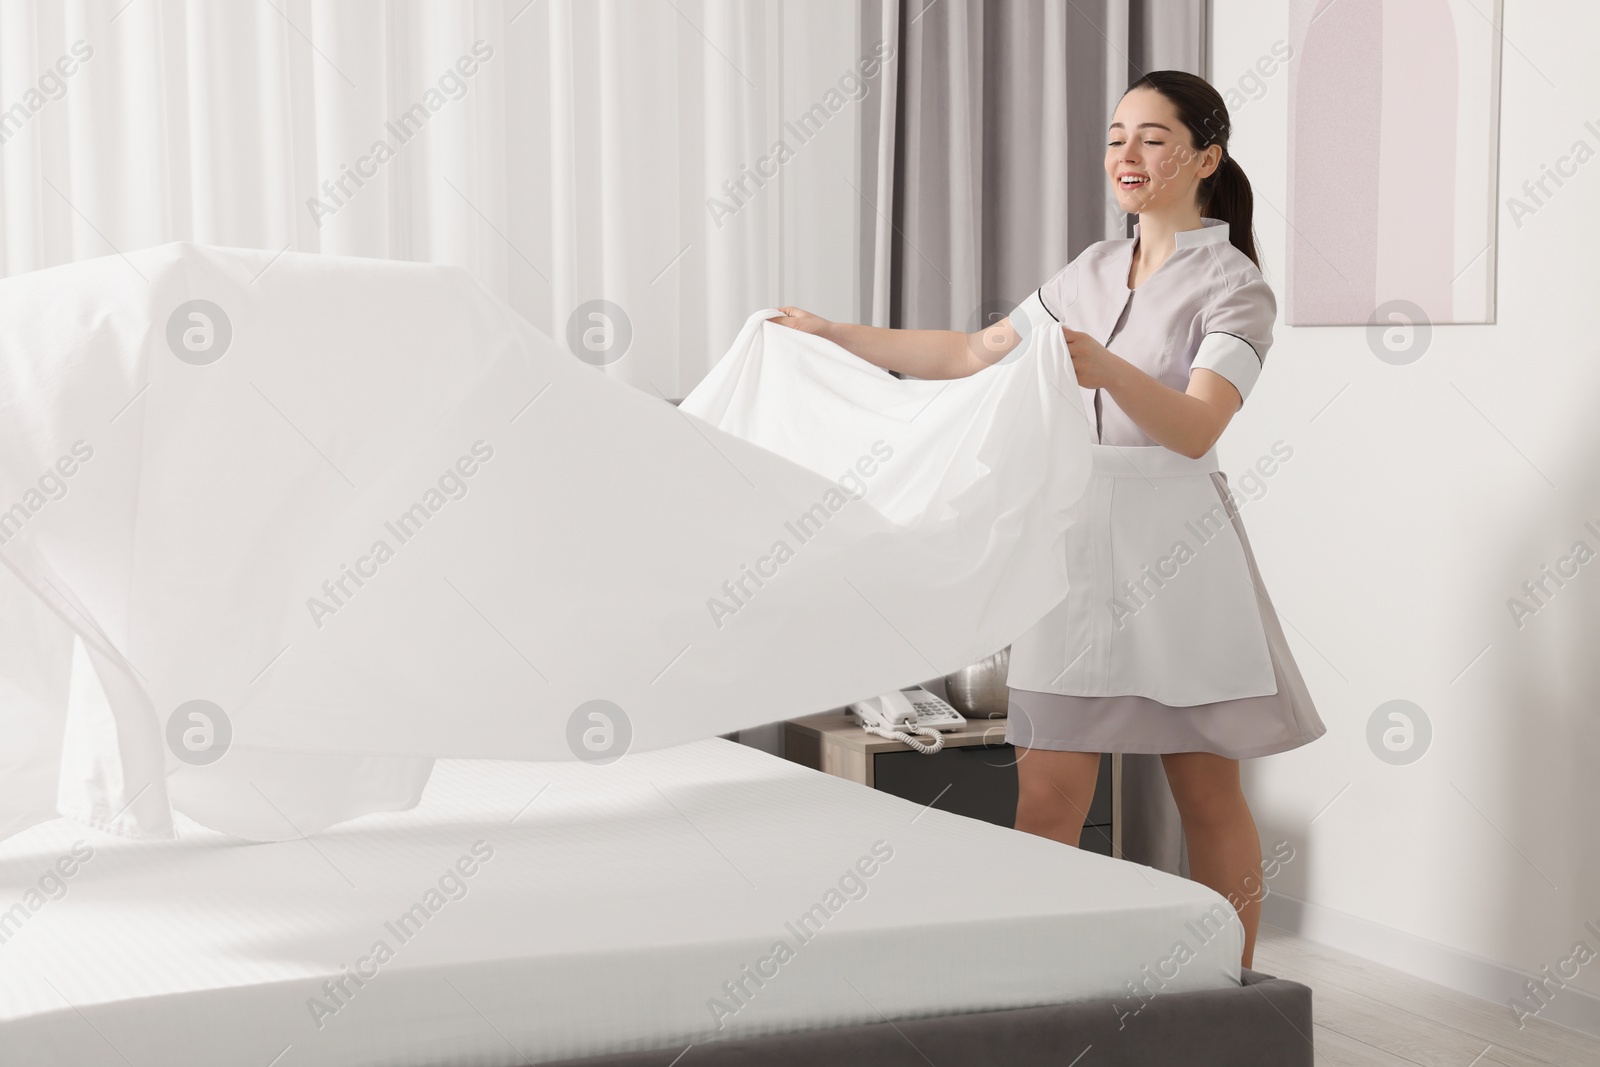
(1094, 365)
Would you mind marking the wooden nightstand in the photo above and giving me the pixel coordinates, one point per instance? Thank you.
(973, 775)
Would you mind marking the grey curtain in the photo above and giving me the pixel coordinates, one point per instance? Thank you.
(982, 164)
(982, 174)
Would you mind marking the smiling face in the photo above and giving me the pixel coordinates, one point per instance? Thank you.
(1149, 145)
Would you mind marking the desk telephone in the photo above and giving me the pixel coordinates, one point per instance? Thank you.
(902, 713)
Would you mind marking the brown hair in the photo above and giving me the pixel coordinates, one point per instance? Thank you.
(1225, 193)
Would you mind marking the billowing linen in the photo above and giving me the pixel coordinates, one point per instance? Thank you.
(280, 531)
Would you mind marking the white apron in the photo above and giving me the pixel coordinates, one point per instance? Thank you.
(1161, 603)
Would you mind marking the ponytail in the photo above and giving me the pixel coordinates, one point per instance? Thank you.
(1228, 197)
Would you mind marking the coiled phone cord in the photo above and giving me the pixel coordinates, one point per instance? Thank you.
(902, 736)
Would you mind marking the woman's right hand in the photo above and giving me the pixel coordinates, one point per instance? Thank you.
(798, 319)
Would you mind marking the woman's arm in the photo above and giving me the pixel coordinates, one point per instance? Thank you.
(932, 354)
(1236, 331)
(1188, 423)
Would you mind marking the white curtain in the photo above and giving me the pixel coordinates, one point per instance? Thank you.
(562, 151)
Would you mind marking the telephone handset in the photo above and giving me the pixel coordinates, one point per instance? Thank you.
(903, 713)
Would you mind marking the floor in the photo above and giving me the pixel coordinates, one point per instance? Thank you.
(1368, 1014)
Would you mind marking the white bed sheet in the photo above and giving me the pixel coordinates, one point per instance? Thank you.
(616, 903)
(585, 541)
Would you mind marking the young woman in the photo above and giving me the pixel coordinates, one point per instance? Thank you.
(1167, 642)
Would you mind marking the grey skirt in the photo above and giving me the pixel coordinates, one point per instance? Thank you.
(1238, 729)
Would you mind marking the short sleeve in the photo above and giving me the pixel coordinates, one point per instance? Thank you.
(1236, 331)
(1061, 291)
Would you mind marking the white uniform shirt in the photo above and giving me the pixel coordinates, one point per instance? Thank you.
(1206, 306)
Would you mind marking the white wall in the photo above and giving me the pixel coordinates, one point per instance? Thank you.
(1418, 500)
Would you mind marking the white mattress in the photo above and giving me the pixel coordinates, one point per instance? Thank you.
(616, 903)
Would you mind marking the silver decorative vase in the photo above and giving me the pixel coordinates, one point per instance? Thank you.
(979, 691)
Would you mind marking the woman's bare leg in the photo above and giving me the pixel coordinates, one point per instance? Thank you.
(1224, 845)
(1054, 790)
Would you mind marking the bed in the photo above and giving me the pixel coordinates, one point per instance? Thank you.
(707, 903)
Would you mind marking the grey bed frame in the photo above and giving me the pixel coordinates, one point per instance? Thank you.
(1266, 1022)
